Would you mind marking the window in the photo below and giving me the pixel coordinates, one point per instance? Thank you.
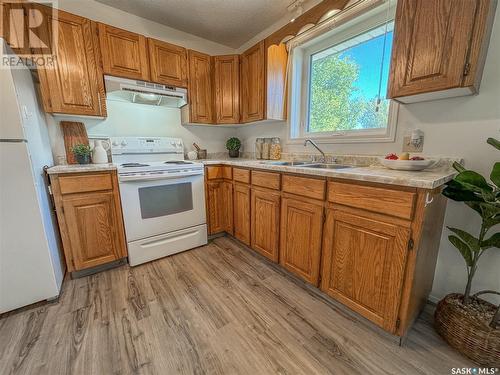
(339, 83)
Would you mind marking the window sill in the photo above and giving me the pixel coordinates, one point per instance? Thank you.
(342, 139)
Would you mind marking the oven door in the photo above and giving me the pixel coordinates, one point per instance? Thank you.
(156, 206)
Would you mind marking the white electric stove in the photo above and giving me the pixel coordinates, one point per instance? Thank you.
(162, 195)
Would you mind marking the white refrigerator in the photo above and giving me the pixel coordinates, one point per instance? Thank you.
(31, 268)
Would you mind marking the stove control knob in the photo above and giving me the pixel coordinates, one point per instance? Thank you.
(123, 143)
(172, 143)
(115, 143)
(179, 143)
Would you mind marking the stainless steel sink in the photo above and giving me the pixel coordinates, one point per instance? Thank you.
(327, 166)
(287, 163)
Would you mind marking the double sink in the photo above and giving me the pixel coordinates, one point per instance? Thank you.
(307, 164)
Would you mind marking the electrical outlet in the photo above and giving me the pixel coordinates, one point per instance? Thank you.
(409, 146)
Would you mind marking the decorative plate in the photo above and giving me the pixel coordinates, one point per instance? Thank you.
(407, 165)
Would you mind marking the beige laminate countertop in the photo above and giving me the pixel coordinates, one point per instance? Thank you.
(427, 179)
(81, 168)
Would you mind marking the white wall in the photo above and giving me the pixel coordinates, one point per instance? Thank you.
(455, 127)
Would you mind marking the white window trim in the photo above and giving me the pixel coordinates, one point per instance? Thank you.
(299, 84)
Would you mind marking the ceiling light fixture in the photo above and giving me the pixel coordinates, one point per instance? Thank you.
(296, 8)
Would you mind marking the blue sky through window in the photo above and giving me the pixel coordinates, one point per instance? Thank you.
(344, 83)
(368, 57)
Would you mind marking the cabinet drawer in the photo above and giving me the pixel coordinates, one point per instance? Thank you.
(307, 187)
(227, 172)
(241, 175)
(85, 183)
(266, 179)
(386, 201)
(214, 173)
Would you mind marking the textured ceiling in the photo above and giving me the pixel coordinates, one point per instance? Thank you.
(228, 22)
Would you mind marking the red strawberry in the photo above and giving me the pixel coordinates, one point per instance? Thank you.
(417, 158)
(392, 156)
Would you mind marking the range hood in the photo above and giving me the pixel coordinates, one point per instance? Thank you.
(142, 92)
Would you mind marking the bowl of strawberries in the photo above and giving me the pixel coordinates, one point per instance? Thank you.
(405, 162)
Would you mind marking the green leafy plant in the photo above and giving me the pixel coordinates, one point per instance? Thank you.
(484, 198)
(81, 149)
(233, 144)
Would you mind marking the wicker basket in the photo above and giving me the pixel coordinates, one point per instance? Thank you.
(469, 335)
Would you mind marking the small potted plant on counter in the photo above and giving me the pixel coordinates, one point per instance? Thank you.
(82, 153)
(469, 323)
(233, 145)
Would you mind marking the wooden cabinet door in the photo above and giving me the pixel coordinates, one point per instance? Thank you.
(253, 82)
(95, 230)
(215, 202)
(200, 87)
(74, 83)
(431, 44)
(301, 234)
(363, 265)
(241, 207)
(124, 54)
(168, 63)
(227, 89)
(227, 187)
(265, 223)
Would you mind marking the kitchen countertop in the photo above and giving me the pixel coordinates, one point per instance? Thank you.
(80, 168)
(427, 179)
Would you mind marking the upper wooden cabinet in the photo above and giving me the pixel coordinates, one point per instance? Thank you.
(364, 260)
(227, 87)
(263, 83)
(74, 83)
(439, 48)
(253, 79)
(124, 54)
(168, 63)
(200, 93)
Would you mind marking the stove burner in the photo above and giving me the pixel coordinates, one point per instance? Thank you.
(177, 162)
(128, 165)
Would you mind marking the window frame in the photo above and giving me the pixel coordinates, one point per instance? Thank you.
(300, 86)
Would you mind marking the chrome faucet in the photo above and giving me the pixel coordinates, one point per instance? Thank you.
(323, 156)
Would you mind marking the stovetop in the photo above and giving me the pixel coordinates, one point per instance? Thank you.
(149, 154)
(155, 166)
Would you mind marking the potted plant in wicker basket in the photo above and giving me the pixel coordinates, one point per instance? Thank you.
(468, 323)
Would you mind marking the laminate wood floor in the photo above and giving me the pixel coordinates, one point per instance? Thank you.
(218, 309)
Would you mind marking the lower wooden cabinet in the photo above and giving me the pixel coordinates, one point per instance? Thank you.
(265, 222)
(91, 222)
(364, 263)
(227, 206)
(90, 219)
(241, 198)
(301, 235)
(376, 258)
